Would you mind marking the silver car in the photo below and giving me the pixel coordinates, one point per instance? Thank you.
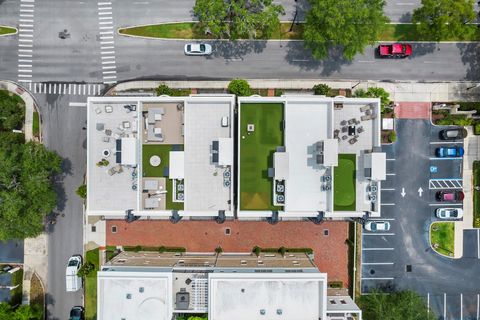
(449, 213)
(377, 225)
(198, 49)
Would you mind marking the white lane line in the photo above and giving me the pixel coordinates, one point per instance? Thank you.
(106, 37)
(25, 50)
(391, 174)
(391, 159)
(108, 52)
(378, 278)
(106, 32)
(446, 158)
(108, 62)
(25, 60)
(141, 2)
(25, 70)
(109, 67)
(478, 243)
(444, 142)
(84, 89)
(377, 249)
(461, 306)
(104, 3)
(107, 47)
(55, 88)
(376, 263)
(88, 91)
(77, 104)
(109, 77)
(65, 88)
(109, 82)
(405, 4)
(106, 22)
(26, 5)
(26, 20)
(105, 18)
(106, 27)
(428, 303)
(381, 219)
(74, 89)
(24, 80)
(107, 42)
(379, 234)
(443, 204)
(26, 15)
(478, 306)
(26, 10)
(109, 72)
(108, 57)
(444, 306)
(105, 8)
(387, 204)
(388, 189)
(69, 89)
(366, 61)
(105, 13)
(99, 89)
(24, 45)
(24, 65)
(25, 55)
(25, 40)
(25, 75)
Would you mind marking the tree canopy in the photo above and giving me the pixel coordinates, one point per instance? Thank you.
(401, 305)
(240, 88)
(26, 189)
(444, 19)
(12, 111)
(350, 25)
(23, 312)
(236, 19)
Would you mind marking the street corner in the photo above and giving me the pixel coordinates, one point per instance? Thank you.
(412, 110)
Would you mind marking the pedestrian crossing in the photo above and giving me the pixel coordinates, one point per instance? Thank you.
(107, 42)
(92, 89)
(25, 40)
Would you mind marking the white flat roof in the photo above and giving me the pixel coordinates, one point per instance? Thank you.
(289, 296)
(225, 151)
(177, 165)
(306, 124)
(378, 163)
(330, 152)
(119, 295)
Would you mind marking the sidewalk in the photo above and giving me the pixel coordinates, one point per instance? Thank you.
(399, 91)
(472, 152)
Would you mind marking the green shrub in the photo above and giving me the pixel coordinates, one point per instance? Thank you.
(476, 129)
(282, 251)
(278, 92)
(218, 249)
(240, 88)
(86, 269)
(257, 250)
(12, 111)
(321, 89)
(374, 92)
(392, 136)
(335, 284)
(82, 191)
(163, 89)
(103, 163)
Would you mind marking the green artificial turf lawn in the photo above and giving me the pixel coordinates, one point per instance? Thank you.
(92, 256)
(444, 236)
(344, 183)
(256, 153)
(163, 151)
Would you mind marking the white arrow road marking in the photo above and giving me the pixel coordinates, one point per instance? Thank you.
(403, 193)
(420, 191)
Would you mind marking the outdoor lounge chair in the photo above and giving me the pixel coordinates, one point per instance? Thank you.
(352, 141)
(343, 122)
(336, 133)
(360, 129)
(365, 108)
(352, 121)
(366, 118)
(344, 129)
(108, 109)
(344, 137)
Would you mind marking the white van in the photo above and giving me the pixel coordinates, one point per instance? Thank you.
(74, 282)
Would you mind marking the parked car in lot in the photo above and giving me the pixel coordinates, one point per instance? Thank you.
(198, 49)
(74, 282)
(449, 213)
(453, 134)
(450, 196)
(445, 152)
(395, 50)
(77, 313)
(377, 225)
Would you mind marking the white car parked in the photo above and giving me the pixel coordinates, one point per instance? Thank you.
(74, 282)
(198, 49)
(377, 225)
(449, 213)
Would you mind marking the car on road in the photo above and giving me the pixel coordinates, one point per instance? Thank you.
(450, 196)
(395, 50)
(377, 225)
(453, 134)
(445, 152)
(198, 49)
(449, 213)
(73, 281)
(77, 313)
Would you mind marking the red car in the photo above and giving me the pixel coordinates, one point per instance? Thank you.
(395, 50)
(450, 196)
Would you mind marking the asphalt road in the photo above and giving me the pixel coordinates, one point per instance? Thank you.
(450, 287)
(63, 132)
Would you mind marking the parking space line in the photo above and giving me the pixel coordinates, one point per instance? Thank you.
(378, 234)
(383, 219)
(387, 204)
(391, 159)
(391, 174)
(378, 278)
(376, 263)
(388, 189)
(445, 142)
(478, 243)
(377, 249)
(447, 158)
(443, 204)
(478, 306)
(428, 303)
(444, 306)
(461, 306)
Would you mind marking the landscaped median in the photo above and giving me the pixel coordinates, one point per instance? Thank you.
(5, 31)
(476, 194)
(442, 238)
(191, 30)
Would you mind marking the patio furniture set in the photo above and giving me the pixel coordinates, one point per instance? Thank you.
(352, 128)
(153, 118)
(154, 193)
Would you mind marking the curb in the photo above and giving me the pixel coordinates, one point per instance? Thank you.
(9, 34)
(430, 240)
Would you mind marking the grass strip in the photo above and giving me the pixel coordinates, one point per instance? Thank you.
(7, 30)
(36, 124)
(191, 30)
(476, 195)
(92, 256)
(442, 237)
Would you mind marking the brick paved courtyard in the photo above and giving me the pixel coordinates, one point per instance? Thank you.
(331, 251)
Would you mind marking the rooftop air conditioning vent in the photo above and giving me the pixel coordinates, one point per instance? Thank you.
(129, 296)
(262, 312)
(141, 289)
(279, 312)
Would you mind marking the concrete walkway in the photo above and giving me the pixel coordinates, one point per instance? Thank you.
(399, 91)
(472, 153)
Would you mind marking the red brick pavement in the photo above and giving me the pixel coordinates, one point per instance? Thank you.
(413, 110)
(331, 252)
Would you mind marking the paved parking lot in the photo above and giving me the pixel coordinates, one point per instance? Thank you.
(402, 257)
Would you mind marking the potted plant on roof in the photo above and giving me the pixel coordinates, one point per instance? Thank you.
(103, 163)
